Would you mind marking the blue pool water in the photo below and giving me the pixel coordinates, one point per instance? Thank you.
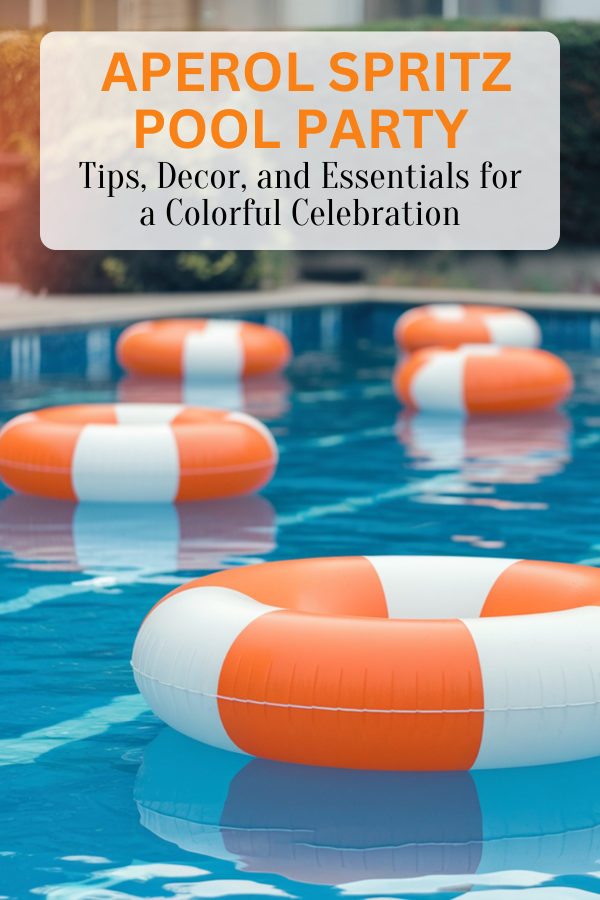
(99, 801)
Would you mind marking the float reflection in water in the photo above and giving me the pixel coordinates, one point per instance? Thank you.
(335, 826)
(518, 449)
(266, 397)
(62, 536)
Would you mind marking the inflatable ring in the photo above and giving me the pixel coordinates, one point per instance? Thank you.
(188, 348)
(130, 453)
(449, 325)
(334, 826)
(405, 663)
(480, 378)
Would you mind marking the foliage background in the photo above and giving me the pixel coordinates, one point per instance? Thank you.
(57, 271)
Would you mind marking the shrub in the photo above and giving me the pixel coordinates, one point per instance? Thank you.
(580, 111)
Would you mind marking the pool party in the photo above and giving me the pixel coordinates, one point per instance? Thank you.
(368, 688)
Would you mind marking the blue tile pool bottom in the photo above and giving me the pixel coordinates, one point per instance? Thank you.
(100, 802)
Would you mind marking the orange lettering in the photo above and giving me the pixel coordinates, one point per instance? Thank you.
(465, 59)
(259, 140)
(148, 73)
(406, 70)
(112, 77)
(354, 134)
(215, 129)
(343, 70)
(183, 71)
(216, 71)
(488, 84)
(200, 128)
(377, 128)
(303, 128)
(293, 77)
(418, 116)
(371, 72)
(451, 127)
(249, 72)
(140, 125)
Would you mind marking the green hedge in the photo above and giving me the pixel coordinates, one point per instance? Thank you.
(82, 272)
(580, 111)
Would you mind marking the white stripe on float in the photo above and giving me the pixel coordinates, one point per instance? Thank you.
(126, 464)
(513, 329)
(437, 587)
(213, 352)
(448, 312)
(33, 744)
(438, 385)
(541, 686)
(147, 413)
(185, 640)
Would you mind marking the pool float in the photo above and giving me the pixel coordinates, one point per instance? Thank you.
(450, 324)
(480, 378)
(403, 663)
(184, 348)
(335, 826)
(142, 453)
(266, 396)
(64, 536)
(510, 449)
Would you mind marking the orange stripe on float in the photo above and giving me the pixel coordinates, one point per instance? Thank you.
(516, 381)
(429, 331)
(328, 586)
(35, 457)
(158, 349)
(80, 414)
(331, 586)
(529, 587)
(354, 692)
(232, 457)
(265, 349)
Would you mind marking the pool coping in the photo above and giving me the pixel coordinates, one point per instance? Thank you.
(20, 313)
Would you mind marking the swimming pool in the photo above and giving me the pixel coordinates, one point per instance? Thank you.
(101, 802)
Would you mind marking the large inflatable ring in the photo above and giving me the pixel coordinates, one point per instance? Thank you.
(202, 348)
(136, 452)
(450, 324)
(405, 663)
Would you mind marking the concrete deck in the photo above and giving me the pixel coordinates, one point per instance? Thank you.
(24, 312)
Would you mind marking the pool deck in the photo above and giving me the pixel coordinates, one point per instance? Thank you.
(25, 312)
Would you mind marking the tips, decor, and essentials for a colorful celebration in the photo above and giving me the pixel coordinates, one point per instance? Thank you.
(202, 348)
(480, 378)
(389, 662)
(451, 324)
(136, 453)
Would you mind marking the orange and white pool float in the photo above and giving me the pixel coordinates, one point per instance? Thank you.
(400, 663)
(450, 324)
(480, 378)
(129, 452)
(188, 348)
